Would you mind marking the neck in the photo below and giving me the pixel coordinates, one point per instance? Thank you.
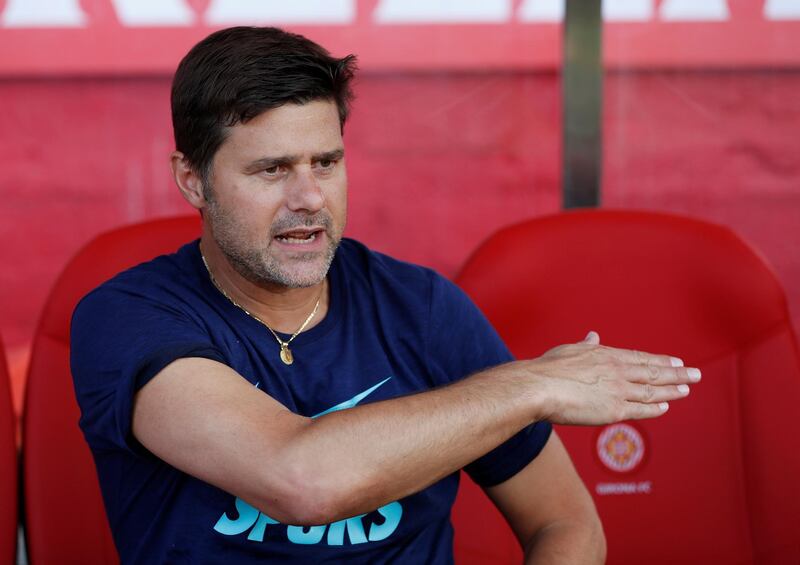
(282, 308)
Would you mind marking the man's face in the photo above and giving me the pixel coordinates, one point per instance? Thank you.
(277, 200)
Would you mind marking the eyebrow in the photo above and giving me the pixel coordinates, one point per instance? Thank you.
(334, 155)
(286, 160)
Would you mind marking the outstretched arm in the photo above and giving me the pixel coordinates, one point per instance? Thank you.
(201, 417)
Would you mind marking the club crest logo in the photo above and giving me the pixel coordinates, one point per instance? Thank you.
(621, 447)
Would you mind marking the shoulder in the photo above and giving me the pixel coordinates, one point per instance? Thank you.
(163, 271)
(416, 289)
(413, 291)
(358, 259)
(157, 306)
(161, 276)
(168, 284)
(364, 265)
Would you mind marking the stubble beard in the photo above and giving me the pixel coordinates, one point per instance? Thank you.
(258, 264)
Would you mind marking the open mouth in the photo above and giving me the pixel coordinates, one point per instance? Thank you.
(298, 237)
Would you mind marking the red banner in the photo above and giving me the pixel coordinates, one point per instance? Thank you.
(150, 36)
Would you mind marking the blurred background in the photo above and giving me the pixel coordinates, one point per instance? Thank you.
(470, 115)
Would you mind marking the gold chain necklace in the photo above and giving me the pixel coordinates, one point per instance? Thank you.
(286, 353)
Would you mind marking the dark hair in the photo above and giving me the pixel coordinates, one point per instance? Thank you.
(235, 74)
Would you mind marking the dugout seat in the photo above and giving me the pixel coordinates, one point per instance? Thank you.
(715, 480)
(64, 515)
(8, 468)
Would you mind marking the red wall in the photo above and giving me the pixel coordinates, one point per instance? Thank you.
(436, 162)
(721, 146)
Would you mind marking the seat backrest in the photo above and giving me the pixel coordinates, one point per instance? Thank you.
(716, 479)
(64, 515)
(8, 468)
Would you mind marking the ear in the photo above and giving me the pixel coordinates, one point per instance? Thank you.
(189, 182)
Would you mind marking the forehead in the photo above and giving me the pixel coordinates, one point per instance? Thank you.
(291, 129)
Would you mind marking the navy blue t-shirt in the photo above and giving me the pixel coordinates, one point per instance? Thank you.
(391, 329)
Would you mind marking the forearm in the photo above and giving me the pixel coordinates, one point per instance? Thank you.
(359, 459)
(567, 542)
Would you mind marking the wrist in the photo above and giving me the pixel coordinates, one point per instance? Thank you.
(529, 386)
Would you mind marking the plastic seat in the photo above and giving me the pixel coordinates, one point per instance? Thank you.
(715, 480)
(64, 515)
(8, 468)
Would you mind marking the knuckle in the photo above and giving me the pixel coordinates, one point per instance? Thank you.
(678, 374)
(617, 390)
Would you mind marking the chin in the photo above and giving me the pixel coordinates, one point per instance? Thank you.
(296, 282)
(303, 275)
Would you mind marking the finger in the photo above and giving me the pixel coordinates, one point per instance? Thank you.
(639, 411)
(643, 358)
(650, 394)
(660, 375)
(592, 338)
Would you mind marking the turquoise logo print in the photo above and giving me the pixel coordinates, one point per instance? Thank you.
(334, 534)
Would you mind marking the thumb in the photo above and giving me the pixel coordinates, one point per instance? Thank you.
(592, 337)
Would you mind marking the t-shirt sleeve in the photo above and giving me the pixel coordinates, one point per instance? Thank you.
(463, 342)
(120, 340)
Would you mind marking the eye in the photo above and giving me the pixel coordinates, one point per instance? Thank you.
(273, 171)
(326, 163)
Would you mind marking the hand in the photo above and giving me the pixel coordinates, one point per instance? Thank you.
(586, 383)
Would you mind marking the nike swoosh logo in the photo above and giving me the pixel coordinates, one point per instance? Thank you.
(353, 401)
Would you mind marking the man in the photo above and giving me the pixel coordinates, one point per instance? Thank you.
(275, 392)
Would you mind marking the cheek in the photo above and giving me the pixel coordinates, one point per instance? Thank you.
(337, 196)
(255, 205)
(337, 206)
(245, 220)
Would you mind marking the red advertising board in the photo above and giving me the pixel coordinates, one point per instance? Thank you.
(54, 37)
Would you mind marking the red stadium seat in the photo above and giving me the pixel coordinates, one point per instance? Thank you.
(717, 479)
(64, 516)
(8, 468)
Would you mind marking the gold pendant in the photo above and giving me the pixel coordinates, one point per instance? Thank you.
(286, 354)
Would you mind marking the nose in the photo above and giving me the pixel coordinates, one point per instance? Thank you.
(305, 193)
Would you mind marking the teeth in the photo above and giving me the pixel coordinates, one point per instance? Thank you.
(287, 239)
